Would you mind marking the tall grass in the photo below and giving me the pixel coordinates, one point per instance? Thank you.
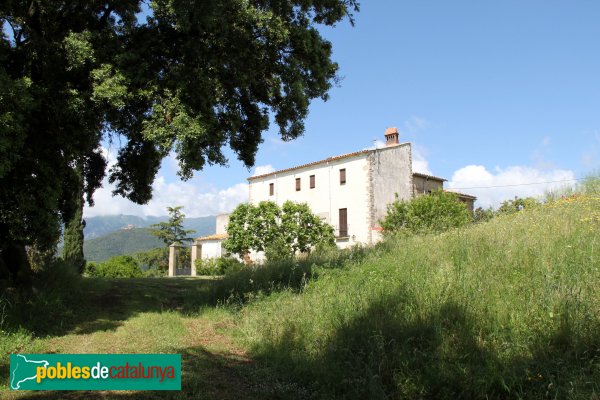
(239, 286)
(508, 308)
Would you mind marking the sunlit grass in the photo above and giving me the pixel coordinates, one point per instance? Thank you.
(503, 309)
(507, 308)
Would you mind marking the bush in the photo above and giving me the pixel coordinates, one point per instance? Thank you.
(244, 283)
(57, 287)
(115, 267)
(483, 214)
(157, 259)
(217, 266)
(154, 262)
(154, 273)
(518, 204)
(435, 212)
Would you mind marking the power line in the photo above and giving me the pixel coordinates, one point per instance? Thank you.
(516, 184)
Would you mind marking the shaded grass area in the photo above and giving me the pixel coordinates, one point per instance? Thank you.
(148, 316)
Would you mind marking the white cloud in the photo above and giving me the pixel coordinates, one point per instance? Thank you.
(197, 200)
(491, 188)
(419, 162)
(415, 124)
(263, 169)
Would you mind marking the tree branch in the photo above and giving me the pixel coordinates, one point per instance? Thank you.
(107, 11)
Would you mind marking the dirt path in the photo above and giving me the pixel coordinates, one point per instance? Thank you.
(160, 316)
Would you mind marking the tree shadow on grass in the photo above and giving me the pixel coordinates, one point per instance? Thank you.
(385, 353)
(98, 304)
(205, 375)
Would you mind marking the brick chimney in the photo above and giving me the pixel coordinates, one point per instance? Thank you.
(391, 136)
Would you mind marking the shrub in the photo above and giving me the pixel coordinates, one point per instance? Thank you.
(57, 287)
(590, 185)
(157, 259)
(516, 205)
(244, 283)
(435, 212)
(207, 266)
(217, 266)
(115, 267)
(483, 214)
(154, 273)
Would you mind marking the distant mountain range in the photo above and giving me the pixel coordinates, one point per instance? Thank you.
(102, 225)
(112, 235)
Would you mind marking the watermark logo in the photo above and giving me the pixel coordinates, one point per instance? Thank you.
(95, 372)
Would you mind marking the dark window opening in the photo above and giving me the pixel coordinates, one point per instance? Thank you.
(343, 222)
(312, 181)
(343, 176)
(297, 184)
(271, 189)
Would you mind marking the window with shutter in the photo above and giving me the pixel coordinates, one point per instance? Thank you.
(343, 176)
(297, 184)
(271, 189)
(312, 181)
(343, 222)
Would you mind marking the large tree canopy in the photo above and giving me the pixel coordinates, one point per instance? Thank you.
(190, 77)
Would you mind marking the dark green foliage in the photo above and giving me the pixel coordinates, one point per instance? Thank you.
(172, 231)
(191, 78)
(516, 205)
(154, 259)
(279, 231)
(483, 214)
(43, 310)
(278, 250)
(72, 251)
(121, 242)
(435, 212)
(116, 267)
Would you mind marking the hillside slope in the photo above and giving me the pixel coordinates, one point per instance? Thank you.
(113, 235)
(504, 309)
(120, 242)
(103, 225)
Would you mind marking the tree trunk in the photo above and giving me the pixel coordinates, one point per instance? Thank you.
(73, 236)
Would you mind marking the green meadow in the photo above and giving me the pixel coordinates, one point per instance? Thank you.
(508, 308)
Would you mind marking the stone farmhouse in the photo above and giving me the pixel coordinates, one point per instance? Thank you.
(351, 192)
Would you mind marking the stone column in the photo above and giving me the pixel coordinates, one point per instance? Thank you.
(173, 256)
(196, 254)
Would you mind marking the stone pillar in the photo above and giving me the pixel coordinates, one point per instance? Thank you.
(173, 256)
(196, 254)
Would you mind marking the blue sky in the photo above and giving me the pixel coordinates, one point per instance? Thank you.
(489, 93)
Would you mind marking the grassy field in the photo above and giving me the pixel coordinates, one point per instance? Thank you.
(504, 309)
(147, 316)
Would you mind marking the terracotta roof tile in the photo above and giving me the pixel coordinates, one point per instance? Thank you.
(461, 194)
(216, 236)
(431, 177)
(335, 158)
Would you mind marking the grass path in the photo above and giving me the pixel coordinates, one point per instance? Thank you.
(155, 315)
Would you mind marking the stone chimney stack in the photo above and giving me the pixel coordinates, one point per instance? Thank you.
(391, 136)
